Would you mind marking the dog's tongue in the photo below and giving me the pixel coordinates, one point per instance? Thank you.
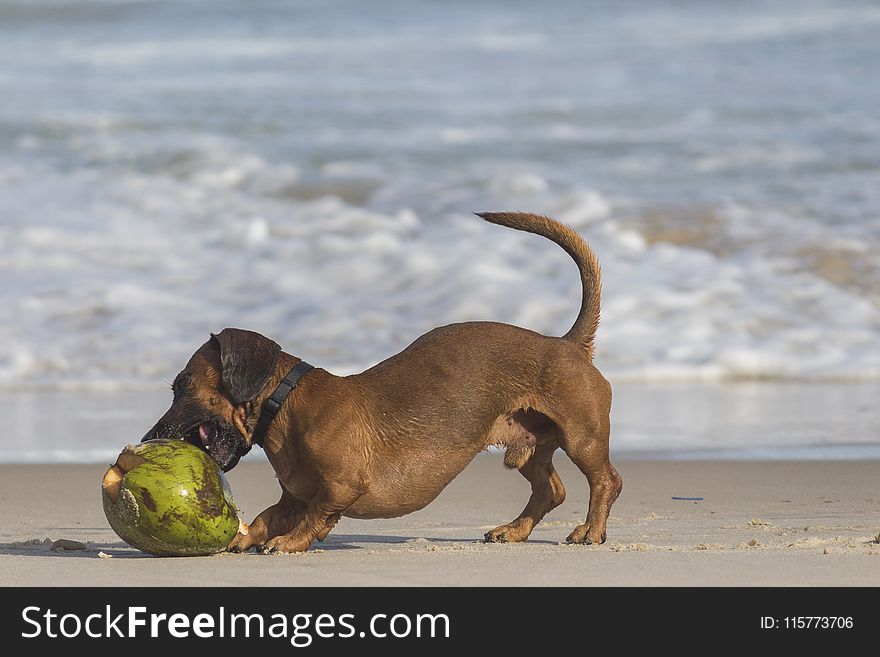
(206, 434)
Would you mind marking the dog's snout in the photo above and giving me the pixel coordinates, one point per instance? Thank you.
(159, 430)
(164, 427)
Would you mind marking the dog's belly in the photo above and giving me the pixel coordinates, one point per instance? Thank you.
(403, 485)
(380, 506)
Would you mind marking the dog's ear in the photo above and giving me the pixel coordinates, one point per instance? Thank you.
(247, 362)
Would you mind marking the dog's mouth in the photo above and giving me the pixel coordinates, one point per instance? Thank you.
(220, 441)
(201, 435)
(214, 435)
(204, 435)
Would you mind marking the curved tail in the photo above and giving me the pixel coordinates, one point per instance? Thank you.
(584, 329)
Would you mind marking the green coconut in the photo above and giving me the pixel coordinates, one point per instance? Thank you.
(169, 498)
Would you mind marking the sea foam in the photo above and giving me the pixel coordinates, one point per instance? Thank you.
(167, 172)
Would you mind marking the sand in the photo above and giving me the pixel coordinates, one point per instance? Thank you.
(759, 523)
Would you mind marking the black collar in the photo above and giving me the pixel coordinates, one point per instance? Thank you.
(273, 402)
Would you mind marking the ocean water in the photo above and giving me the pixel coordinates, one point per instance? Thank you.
(308, 170)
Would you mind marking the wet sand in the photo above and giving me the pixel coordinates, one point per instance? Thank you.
(759, 523)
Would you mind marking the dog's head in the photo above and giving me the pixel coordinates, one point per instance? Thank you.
(214, 396)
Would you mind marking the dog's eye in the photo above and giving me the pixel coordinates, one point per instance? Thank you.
(181, 383)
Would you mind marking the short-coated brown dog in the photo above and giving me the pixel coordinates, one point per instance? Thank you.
(385, 442)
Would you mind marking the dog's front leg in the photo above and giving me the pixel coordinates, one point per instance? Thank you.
(321, 514)
(277, 520)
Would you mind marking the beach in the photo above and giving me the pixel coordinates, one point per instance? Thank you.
(787, 475)
(772, 523)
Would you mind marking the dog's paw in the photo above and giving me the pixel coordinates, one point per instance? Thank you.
(584, 535)
(286, 544)
(248, 536)
(240, 543)
(514, 532)
(494, 536)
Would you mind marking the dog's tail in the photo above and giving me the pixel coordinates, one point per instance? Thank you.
(584, 329)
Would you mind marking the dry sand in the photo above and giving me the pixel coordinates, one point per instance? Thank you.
(760, 523)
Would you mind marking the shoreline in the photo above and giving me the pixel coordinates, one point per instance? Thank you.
(760, 523)
(682, 421)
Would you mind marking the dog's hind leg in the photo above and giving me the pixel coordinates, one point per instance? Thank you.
(547, 493)
(589, 451)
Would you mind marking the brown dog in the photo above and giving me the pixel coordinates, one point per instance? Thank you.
(385, 442)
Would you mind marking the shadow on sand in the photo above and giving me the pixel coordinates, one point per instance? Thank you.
(120, 550)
